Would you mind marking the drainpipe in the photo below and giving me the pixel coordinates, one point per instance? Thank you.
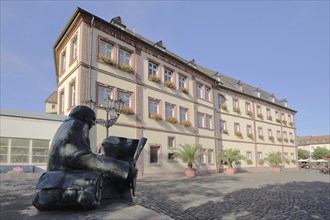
(90, 65)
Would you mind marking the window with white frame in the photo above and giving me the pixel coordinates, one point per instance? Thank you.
(105, 49)
(207, 93)
(270, 133)
(289, 118)
(247, 107)
(283, 116)
(210, 156)
(285, 136)
(249, 130)
(74, 49)
(124, 57)
(62, 101)
(291, 136)
(235, 104)
(63, 61)
(277, 115)
(182, 81)
(260, 132)
(169, 110)
(221, 99)
(168, 75)
(279, 134)
(199, 90)
(200, 119)
(259, 155)
(152, 68)
(223, 126)
(154, 154)
(208, 121)
(183, 114)
(103, 93)
(153, 106)
(258, 109)
(237, 127)
(269, 116)
(73, 94)
(204, 156)
(248, 155)
(292, 156)
(125, 97)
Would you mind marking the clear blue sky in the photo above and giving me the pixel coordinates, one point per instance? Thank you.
(280, 46)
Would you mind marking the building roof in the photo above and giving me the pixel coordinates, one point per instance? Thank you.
(307, 140)
(225, 81)
(32, 115)
(52, 98)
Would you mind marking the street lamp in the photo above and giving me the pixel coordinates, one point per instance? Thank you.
(113, 109)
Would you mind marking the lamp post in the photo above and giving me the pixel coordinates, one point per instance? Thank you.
(113, 108)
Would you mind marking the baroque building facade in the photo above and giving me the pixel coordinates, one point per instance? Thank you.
(169, 100)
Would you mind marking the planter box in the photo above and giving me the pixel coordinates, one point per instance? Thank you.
(190, 172)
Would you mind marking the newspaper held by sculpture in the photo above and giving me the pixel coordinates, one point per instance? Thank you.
(124, 149)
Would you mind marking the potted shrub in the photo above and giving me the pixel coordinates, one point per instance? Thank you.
(291, 123)
(172, 120)
(261, 137)
(156, 116)
(249, 113)
(107, 60)
(188, 153)
(126, 68)
(237, 110)
(270, 118)
(154, 78)
(250, 135)
(275, 160)
(169, 84)
(278, 120)
(287, 161)
(261, 162)
(238, 134)
(279, 139)
(127, 111)
(230, 157)
(291, 140)
(225, 131)
(261, 116)
(271, 138)
(185, 90)
(224, 107)
(284, 122)
(185, 123)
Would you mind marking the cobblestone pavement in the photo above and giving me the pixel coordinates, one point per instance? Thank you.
(303, 194)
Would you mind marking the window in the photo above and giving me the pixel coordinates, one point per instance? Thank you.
(153, 106)
(249, 130)
(199, 90)
(221, 99)
(210, 153)
(169, 110)
(182, 81)
(235, 104)
(4, 150)
(62, 103)
(53, 106)
(63, 61)
(124, 57)
(74, 49)
(270, 133)
(269, 116)
(168, 75)
(154, 154)
(283, 116)
(289, 118)
(125, 97)
(208, 123)
(207, 93)
(105, 49)
(292, 156)
(183, 114)
(223, 126)
(204, 156)
(200, 120)
(170, 157)
(40, 150)
(278, 134)
(152, 69)
(248, 155)
(260, 133)
(259, 155)
(237, 127)
(277, 116)
(20, 150)
(291, 136)
(258, 109)
(73, 94)
(170, 142)
(103, 93)
(286, 155)
(247, 107)
(285, 136)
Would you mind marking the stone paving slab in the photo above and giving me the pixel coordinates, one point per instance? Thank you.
(303, 194)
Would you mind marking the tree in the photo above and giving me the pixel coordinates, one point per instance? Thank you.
(188, 153)
(303, 154)
(230, 156)
(274, 159)
(320, 153)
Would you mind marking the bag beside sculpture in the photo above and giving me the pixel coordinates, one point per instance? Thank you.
(79, 189)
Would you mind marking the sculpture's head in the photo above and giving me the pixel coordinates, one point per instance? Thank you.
(84, 113)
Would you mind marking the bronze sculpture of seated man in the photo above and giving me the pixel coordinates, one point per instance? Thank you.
(71, 151)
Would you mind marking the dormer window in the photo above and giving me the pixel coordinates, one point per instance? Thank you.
(160, 44)
(192, 63)
(118, 22)
(257, 92)
(239, 86)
